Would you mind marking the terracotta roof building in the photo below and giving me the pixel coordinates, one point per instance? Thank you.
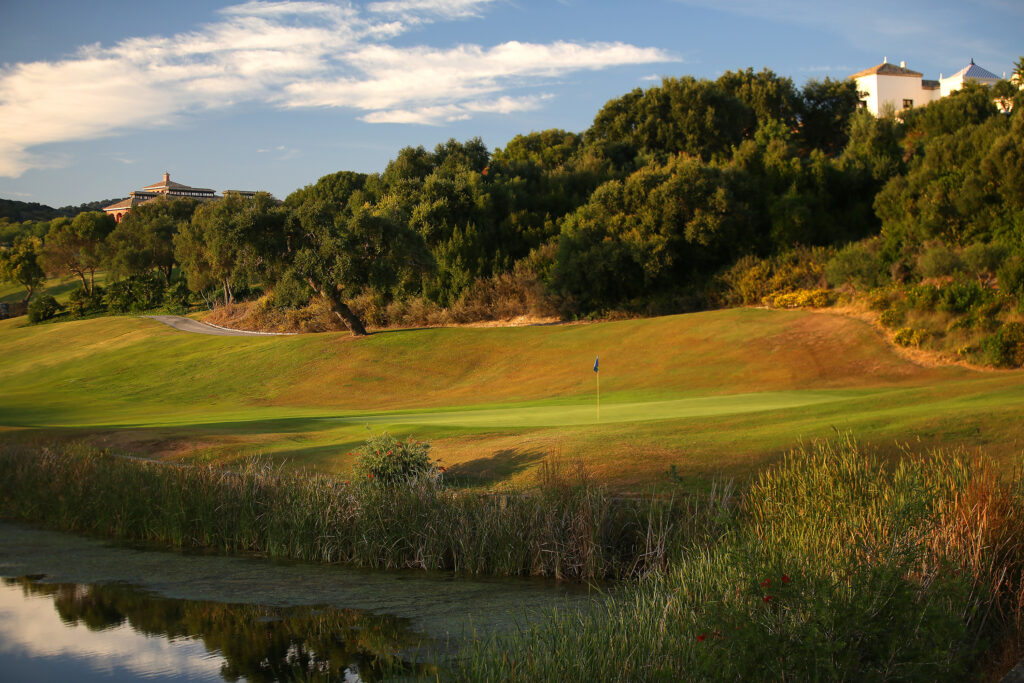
(165, 188)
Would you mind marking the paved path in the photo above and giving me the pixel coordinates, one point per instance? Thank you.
(190, 325)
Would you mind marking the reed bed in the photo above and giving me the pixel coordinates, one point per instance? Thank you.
(836, 566)
(561, 530)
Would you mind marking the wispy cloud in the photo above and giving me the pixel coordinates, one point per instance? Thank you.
(288, 54)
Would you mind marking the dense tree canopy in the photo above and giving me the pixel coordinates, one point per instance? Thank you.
(144, 239)
(659, 199)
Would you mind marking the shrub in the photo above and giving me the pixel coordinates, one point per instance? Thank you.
(891, 317)
(178, 295)
(923, 297)
(1011, 275)
(82, 302)
(386, 460)
(961, 296)
(136, 293)
(802, 298)
(856, 264)
(42, 308)
(984, 259)
(910, 336)
(1005, 348)
(938, 260)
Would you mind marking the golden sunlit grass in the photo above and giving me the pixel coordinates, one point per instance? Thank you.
(716, 392)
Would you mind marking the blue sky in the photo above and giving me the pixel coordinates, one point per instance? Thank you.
(98, 98)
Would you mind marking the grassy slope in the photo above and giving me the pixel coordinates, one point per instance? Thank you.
(718, 392)
(58, 287)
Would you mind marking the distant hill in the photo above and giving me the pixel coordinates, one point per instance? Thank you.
(18, 212)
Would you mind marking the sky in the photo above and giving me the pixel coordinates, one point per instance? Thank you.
(101, 97)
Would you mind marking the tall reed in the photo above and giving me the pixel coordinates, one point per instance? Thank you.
(836, 567)
(577, 533)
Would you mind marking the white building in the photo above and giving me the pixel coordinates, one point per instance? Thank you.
(887, 87)
(971, 72)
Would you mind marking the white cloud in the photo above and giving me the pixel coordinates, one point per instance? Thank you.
(288, 54)
(440, 114)
(453, 9)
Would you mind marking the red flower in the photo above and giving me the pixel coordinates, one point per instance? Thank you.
(785, 579)
(701, 637)
(370, 475)
(766, 583)
(767, 598)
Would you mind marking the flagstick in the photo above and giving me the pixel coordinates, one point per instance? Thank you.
(598, 374)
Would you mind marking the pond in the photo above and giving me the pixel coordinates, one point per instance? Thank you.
(74, 608)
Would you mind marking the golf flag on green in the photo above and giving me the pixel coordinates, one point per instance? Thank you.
(596, 358)
(597, 378)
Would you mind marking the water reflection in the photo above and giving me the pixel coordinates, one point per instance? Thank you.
(119, 629)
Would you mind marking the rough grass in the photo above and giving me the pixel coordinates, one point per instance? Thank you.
(724, 391)
(566, 528)
(837, 567)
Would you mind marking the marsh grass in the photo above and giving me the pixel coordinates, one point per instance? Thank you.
(575, 532)
(836, 566)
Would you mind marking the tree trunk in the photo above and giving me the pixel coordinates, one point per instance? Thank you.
(341, 309)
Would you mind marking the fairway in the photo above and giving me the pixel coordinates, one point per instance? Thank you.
(720, 393)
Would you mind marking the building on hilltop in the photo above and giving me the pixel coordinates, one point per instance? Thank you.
(887, 87)
(165, 188)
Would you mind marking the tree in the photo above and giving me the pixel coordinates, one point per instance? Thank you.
(228, 241)
(339, 254)
(1017, 77)
(144, 239)
(661, 230)
(20, 264)
(825, 111)
(77, 247)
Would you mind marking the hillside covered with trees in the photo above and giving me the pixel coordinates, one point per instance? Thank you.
(689, 195)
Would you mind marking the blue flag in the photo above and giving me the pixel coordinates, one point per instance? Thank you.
(595, 363)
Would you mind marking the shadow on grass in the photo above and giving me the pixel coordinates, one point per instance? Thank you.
(495, 467)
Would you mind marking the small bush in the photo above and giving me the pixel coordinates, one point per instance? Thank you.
(910, 336)
(386, 460)
(82, 302)
(858, 265)
(136, 293)
(802, 298)
(984, 259)
(178, 295)
(961, 296)
(1005, 348)
(938, 260)
(881, 298)
(923, 297)
(891, 317)
(1011, 275)
(43, 307)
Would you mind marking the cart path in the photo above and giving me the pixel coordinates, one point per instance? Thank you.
(190, 325)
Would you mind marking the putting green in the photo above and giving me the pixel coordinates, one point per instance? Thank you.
(562, 415)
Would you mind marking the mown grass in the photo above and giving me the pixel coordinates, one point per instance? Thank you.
(710, 392)
(564, 529)
(836, 566)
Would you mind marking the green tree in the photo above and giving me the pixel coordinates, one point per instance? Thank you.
(340, 255)
(229, 241)
(144, 239)
(19, 264)
(658, 232)
(78, 246)
(825, 111)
